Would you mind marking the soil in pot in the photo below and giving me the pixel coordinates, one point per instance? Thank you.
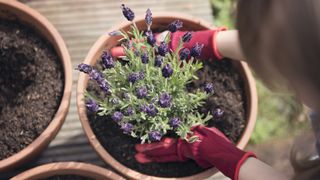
(31, 86)
(229, 96)
(67, 177)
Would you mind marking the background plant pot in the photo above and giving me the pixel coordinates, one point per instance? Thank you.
(68, 168)
(14, 10)
(160, 21)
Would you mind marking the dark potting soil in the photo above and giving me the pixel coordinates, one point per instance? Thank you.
(229, 96)
(67, 177)
(31, 86)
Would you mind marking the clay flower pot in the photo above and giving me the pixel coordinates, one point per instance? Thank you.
(68, 168)
(17, 11)
(160, 22)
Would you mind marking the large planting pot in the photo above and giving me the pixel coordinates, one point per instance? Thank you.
(159, 21)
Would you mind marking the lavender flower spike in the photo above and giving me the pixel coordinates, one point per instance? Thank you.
(96, 75)
(154, 136)
(115, 33)
(148, 18)
(130, 111)
(145, 58)
(150, 38)
(133, 77)
(107, 60)
(208, 88)
(142, 92)
(175, 25)
(158, 61)
(127, 12)
(167, 71)
(218, 113)
(117, 116)
(175, 122)
(196, 50)
(127, 128)
(84, 68)
(187, 37)
(92, 105)
(163, 49)
(184, 54)
(165, 100)
(151, 110)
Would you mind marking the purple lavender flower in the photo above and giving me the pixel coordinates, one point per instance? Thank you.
(165, 100)
(158, 61)
(208, 87)
(127, 12)
(163, 48)
(142, 92)
(218, 113)
(184, 53)
(148, 18)
(196, 50)
(96, 75)
(84, 68)
(150, 38)
(115, 101)
(175, 25)
(187, 37)
(117, 116)
(104, 85)
(175, 122)
(145, 58)
(130, 111)
(151, 110)
(92, 105)
(133, 77)
(141, 75)
(154, 136)
(143, 108)
(107, 60)
(127, 128)
(167, 71)
(114, 33)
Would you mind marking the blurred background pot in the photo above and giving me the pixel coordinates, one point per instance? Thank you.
(14, 10)
(87, 171)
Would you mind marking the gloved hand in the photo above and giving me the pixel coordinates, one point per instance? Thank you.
(213, 149)
(206, 37)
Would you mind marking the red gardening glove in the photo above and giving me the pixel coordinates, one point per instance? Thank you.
(213, 149)
(206, 37)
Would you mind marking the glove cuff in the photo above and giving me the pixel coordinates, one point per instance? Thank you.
(240, 162)
(214, 42)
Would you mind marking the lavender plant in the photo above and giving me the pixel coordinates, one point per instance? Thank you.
(147, 97)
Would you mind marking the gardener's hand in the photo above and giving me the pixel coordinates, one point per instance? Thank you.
(207, 38)
(213, 149)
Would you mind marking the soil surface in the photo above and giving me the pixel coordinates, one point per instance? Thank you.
(67, 177)
(229, 96)
(31, 86)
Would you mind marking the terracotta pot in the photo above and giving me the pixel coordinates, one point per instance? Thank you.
(107, 42)
(68, 168)
(16, 10)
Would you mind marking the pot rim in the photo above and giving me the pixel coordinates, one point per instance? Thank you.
(66, 168)
(44, 27)
(132, 174)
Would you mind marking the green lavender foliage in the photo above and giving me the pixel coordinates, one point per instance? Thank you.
(184, 104)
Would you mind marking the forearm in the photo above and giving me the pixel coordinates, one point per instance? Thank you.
(228, 45)
(254, 169)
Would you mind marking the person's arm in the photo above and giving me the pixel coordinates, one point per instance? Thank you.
(228, 45)
(253, 169)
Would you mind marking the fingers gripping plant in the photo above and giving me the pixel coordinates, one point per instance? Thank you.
(147, 96)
